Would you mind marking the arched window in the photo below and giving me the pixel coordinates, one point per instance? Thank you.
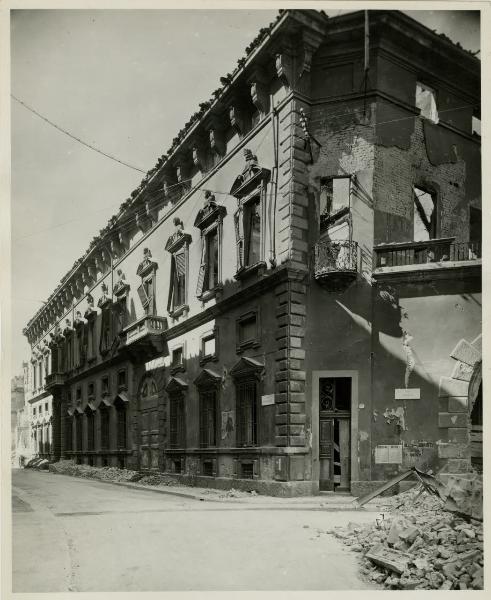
(149, 425)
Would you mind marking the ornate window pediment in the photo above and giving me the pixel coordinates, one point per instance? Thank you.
(247, 367)
(176, 386)
(208, 378)
(250, 218)
(210, 221)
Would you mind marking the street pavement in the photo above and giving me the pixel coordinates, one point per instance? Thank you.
(83, 535)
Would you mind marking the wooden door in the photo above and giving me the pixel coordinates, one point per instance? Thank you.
(326, 453)
(149, 427)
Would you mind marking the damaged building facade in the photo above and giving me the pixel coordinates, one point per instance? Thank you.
(291, 299)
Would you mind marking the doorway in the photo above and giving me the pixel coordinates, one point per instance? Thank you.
(149, 426)
(335, 433)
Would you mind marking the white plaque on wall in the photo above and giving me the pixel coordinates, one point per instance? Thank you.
(389, 454)
(267, 400)
(408, 394)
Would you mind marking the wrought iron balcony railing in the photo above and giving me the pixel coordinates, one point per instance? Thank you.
(335, 257)
(432, 251)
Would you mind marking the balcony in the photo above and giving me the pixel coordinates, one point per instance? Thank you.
(438, 252)
(335, 262)
(144, 338)
(54, 380)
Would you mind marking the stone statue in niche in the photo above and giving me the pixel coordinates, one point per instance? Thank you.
(179, 226)
(90, 306)
(120, 284)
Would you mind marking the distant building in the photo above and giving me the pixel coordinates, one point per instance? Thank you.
(19, 427)
(290, 301)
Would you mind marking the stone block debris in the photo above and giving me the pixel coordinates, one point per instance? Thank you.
(415, 544)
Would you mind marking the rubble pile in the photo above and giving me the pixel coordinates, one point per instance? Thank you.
(157, 479)
(68, 467)
(418, 545)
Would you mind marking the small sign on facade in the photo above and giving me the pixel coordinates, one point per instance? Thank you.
(267, 400)
(388, 454)
(408, 394)
(155, 363)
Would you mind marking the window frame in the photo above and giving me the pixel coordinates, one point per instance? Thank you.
(204, 393)
(247, 435)
(206, 337)
(177, 420)
(178, 243)
(253, 342)
(180, 367)
(122, 387)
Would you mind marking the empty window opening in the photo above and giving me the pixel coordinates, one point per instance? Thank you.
(208, 468)
(177, 466)
(426, 102)
(247, 470)
(424, 215)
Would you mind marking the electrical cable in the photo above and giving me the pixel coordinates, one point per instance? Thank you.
(74, 137)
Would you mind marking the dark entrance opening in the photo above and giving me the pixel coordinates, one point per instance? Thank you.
(334, 433)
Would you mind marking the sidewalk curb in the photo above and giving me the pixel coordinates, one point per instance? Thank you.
(242, 501)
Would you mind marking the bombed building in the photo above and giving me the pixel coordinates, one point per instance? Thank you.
(291, 299)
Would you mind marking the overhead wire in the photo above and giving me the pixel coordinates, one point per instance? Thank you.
(74, 137)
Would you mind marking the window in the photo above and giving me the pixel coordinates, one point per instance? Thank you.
(68, 433)
(105, 386)
(40, 409)
(78, 431)
(208, 417)
(248, 330)
(122, 380)
(334, 200)
(34, 411)
(252, 232)
(104, 415)
(40, 373)
(146, 291)
(208, 349)
(246, 402)
(34, 379)
(91, 391)
(177, 363)
(425, 221)
(177, 420)
(46, 407)
(121, 423)
(78, 394)
(208, 277)
(90, 429)
(121, 312)
(426, 102)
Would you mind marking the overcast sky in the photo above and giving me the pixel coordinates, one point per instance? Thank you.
(125, 81)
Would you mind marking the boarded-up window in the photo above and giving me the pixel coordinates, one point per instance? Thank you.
(424, 215)
(426, 102)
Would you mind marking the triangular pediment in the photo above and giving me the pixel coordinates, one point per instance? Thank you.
(208, 378)
(175, 384)
(246, 366)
